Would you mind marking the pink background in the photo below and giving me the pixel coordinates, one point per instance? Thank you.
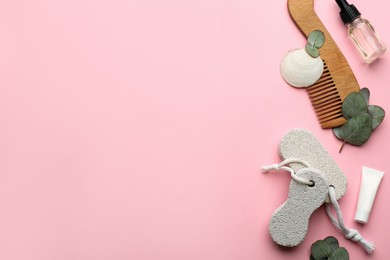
(137, 129)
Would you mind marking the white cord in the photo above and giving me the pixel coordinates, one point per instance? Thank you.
(351, 234)
(282, 166)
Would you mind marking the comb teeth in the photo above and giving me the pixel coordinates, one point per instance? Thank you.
(326, 99)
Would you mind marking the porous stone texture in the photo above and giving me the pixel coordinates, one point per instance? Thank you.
(302, 144)
(289, 223)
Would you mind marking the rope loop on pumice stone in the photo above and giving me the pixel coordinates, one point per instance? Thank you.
(282, 166)
(351, 234)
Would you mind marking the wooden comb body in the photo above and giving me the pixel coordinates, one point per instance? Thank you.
(337, 81)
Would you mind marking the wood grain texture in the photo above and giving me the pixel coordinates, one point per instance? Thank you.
(338, 80)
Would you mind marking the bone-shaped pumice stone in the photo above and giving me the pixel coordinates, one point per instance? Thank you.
(303, 145)
(289, 223)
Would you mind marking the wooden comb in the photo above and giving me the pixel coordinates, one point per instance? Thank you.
(337, 81)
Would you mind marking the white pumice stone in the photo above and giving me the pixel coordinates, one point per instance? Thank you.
(301, 70)
(290, 222)
(302, 144)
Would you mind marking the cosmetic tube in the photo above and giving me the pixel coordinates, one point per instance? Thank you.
(370, 181)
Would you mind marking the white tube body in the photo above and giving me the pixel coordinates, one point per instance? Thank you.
(370, 181)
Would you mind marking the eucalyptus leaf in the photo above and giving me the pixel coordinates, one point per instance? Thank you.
(316, 38)
(366, 94)
(328, 249)
(356, 110)
(356, 130)
(339, 254)
(321, 250)
(337, 131)
(353, 105)
(332, 241)
(377, 113)
(312, 51)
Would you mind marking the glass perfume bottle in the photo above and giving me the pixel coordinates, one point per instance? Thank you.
(361, 32)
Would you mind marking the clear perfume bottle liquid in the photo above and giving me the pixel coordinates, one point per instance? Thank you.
(361, 32)
(366, 40)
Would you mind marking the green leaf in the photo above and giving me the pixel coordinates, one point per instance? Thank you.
(316, 39)
(366, 94)
(339, 254)
(377, 113)
(312, 51)
(321, 250)
(353, 105)
(337, 131)
(332, 241)
(356, 130)
(328, 249)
